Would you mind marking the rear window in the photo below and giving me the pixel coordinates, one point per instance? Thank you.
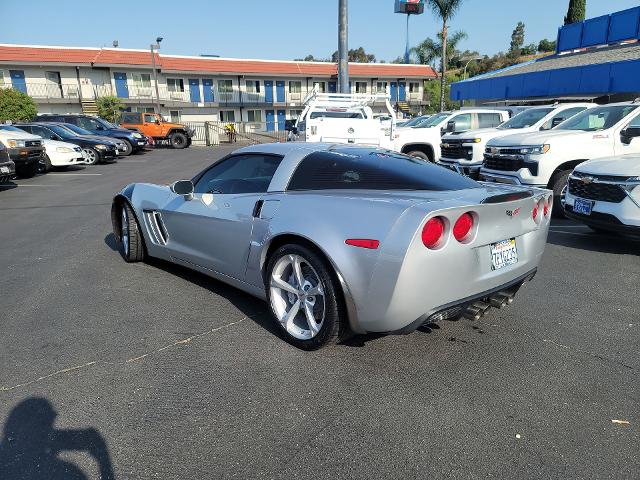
(129, 118)
(371, 169)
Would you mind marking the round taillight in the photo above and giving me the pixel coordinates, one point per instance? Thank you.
(463, 226)
(534, 214)
(432, 232)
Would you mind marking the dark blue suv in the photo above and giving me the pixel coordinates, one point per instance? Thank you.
(134, 141)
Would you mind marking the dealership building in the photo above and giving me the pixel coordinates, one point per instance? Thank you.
(195, 89)
(596, 59)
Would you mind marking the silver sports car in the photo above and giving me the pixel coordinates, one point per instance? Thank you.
(340, 238)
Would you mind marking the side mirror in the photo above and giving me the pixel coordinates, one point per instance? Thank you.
(184, 188)
(557, 121)
(157, 121)
(451, 126)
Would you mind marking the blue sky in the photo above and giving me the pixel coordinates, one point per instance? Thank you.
(279, 29)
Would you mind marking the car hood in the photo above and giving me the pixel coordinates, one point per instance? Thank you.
(482, 133)
(21, 135)
(622, 166)
(539, 138)
(119, 130)
(56, 143)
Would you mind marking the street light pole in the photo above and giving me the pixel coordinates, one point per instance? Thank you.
(343, 49)
(155, 72)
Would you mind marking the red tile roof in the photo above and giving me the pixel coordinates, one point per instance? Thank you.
(113, 56)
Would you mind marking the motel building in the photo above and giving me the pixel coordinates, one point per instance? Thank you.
(195, 89)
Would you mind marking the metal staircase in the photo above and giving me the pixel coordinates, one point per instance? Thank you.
(404, 107)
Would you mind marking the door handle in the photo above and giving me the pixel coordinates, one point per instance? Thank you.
(257, 208)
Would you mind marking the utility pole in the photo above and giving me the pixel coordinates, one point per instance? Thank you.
(156, 46)
(343, 48)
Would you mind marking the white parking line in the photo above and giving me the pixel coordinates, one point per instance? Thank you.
(77, 174)
(37, 185)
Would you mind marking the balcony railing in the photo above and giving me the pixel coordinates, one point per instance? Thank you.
(46, 90)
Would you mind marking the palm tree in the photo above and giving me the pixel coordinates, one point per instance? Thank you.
(429, 49)
(444, 10)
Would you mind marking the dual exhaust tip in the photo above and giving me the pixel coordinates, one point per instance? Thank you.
(476, 310)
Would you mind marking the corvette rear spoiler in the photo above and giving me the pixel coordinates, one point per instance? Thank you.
(508, 197)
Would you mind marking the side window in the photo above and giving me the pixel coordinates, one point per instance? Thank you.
(28, 129)
(635, 122)
(489, 120)
(38, 130)
(84, 123)
(249, 173)
(560, 117)
(71, 120)
(463, 122)
(149, 118)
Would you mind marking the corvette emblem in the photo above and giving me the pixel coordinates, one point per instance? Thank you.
(351, 130)
(513, 213)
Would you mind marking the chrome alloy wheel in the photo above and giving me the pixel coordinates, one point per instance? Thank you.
(125, 231)
(297, 296)
(90, 156)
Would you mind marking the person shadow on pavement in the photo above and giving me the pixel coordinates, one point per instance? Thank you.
(30, 446)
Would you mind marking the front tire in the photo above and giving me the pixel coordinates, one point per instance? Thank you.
(304, 297)
(131, 241)
(557, 183)
(419, 154)
(45, 165)
(179, 140)
(128, 146)
(91, 156)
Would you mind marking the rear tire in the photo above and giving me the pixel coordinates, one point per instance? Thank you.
(179, 140)
(319, 317)
(129, 148)
(131, 241)
(27, 171)
(557, 183)
(419, 154)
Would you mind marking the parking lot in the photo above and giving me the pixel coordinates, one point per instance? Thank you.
(185, 377)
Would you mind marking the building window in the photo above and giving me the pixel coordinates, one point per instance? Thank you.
(320, 86)
(2, 84)
(53, 84)
(142, 80)
(227, 115)
(414, 87)
(254, 116)
(145, 109)
(253, 86)
(381, 87)
(361, 87)
(225, 86)
(175, 84)
(295, 87)
(294, 114)
(174, 116)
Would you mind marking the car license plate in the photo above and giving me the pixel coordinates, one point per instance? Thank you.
(141, 143)
(503, 254)
(582, 206)
(4, 169)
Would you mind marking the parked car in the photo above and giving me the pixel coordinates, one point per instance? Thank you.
(7, 167)
(424, 139)
(57, 153)
(120, 144)
(133, 141)
(545, 159)
(605, 194)
(412, 122)
(94, 151)
(465, 155)
(381, 222)
(24, 149)
(153, 125)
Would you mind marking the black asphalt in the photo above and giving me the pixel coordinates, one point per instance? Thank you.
(164, 373)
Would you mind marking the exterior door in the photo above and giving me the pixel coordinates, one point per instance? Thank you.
(403, 91)
(54, 84)
(394, 91)
(122, 90)
(280, 91)
(194, 90)
(282, 117)
(333, 87)
(213, 230)
(268, 91)
(270, 120)
(207, 87)
(17, 80)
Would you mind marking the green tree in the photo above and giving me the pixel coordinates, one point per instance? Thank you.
(444, 10)
(16, 106)
(530, 49)
(517, 40)
(109, 108)
(428, 50)
(356, 55)
(576, 11)
(547, 45)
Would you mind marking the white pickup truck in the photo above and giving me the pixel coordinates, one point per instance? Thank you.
(465, 153)
(423, 141)
(344, 118)
(546, 159)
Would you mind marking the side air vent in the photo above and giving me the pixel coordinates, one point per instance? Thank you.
(155, 227)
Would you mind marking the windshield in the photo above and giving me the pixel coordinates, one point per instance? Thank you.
(11, 128)
(526, 119)
(433, 121)
(414, 121)
(76, 129)
(599, 118)
(104, 123)
(336, 115)
(62, 131)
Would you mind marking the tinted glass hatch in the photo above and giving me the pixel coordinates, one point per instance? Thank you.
(372, 169)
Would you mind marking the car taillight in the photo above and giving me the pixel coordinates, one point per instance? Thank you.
(534, 214)
(463, 226)
(432, 232)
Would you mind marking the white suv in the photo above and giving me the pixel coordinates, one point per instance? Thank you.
(605, 194)
(545, 159)
(423, 141)
(465, 153)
